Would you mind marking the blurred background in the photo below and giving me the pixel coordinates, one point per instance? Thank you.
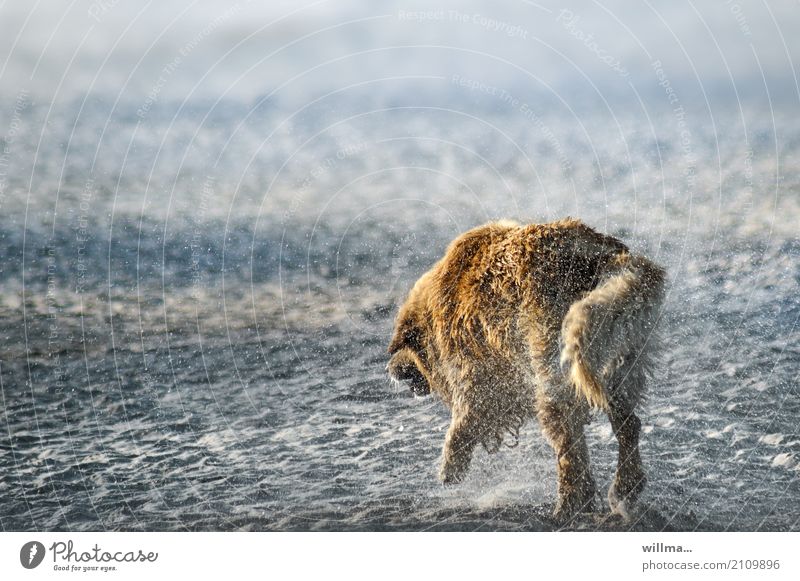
(210, 213)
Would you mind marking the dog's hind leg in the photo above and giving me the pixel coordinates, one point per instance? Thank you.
(562, 424)
(625, 391)
(629, 480)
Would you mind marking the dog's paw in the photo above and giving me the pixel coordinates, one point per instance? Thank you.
(623, 504)
(619, 504)
(569, 506)
(563, 511)
(452, 473)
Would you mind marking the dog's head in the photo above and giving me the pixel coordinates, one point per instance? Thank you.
(409, 362)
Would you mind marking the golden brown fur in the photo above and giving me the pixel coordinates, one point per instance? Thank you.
(544, 320)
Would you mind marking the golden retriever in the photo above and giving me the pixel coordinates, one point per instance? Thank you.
(546, 320)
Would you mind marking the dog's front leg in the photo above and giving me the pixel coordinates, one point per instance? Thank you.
(458, 447)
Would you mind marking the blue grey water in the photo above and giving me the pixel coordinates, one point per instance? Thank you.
(201, 258)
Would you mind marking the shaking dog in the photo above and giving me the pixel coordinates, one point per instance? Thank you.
(545, 320)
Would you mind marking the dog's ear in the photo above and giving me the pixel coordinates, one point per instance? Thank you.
(407, 335)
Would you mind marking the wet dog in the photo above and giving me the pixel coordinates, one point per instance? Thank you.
(545, 320)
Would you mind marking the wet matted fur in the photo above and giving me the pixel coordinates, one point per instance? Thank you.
(544, 320)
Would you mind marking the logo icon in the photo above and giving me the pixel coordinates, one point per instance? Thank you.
(31, 554)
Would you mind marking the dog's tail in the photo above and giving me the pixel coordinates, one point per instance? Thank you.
(612, 323)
